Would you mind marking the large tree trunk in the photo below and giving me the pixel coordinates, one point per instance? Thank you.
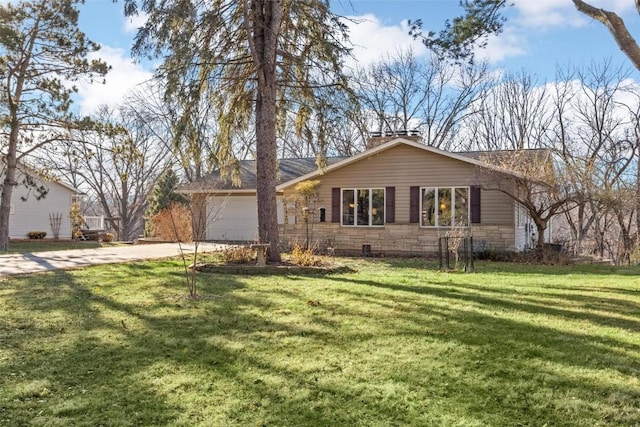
(5, 201)
(542, 228)
(12, 149)
(266, 156)
(267, 15)
(8, 184)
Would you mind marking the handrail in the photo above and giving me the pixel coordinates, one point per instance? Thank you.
(94, 222)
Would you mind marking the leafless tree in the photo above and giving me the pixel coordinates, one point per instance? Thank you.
(204, 212)
(189, 135)
(403, 92)
(118, 162)
(592, 139)
(514, 114)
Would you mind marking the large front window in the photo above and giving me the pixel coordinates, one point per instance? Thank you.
(444, 207)
(363, 207)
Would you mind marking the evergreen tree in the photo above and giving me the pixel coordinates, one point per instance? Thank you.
(41, 51)
(257, 61)
(164, 193)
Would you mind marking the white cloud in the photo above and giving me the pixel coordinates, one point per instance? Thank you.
(132, 23)
(555, 13)
(618, 6)
(546, 13)
(505, 45)
(125, 74)
(372, 40)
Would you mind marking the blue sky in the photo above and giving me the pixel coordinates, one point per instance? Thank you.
(539, 35)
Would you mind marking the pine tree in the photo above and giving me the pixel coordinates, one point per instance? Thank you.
(164, 193)
(41, 51)
(257, 60)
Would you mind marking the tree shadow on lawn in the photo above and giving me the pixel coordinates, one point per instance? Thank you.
(526, 300)
(459, 295)
(509, 354)
(72, 365)
(239, 359)
(100, 369)
(550, 296)
(511, 268)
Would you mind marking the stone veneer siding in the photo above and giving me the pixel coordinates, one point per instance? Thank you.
(392, 238)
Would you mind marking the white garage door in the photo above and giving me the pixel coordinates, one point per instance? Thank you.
(237, 220)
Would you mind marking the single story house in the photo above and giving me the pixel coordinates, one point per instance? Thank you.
(34, 210)
(396, 197)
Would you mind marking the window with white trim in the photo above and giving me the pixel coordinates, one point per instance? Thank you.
(12, 209)
(363, 207)
(444, 206)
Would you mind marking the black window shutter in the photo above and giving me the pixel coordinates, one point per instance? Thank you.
(390, 205)
(475, 204)
(335, 205)
(414, 205)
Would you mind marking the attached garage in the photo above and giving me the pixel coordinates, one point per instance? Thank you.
(232, 208)
(236, 218)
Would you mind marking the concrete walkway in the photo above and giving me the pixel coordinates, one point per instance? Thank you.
(62, 260)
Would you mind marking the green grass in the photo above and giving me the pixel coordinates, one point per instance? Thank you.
(392, 344)
(23, 247)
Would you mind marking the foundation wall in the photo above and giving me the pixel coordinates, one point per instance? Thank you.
(392, 238)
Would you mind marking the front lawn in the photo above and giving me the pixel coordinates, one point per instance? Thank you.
(392, 344)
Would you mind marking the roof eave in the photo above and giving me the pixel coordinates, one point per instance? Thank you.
(224, 192)
(384, 147)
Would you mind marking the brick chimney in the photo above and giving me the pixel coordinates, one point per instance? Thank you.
(379, 138)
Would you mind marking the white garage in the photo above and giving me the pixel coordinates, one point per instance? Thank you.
(232, 209)
(235, 218)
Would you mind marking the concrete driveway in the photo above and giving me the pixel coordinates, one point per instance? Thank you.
(62, 260)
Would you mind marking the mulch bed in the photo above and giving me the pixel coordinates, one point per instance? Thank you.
(274, 269)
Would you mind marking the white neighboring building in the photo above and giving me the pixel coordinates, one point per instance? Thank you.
(30, 214)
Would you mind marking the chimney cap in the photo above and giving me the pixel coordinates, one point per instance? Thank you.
(380, 137)
(394, 133)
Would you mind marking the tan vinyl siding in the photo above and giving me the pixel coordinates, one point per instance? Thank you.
(404, 166)
(496, 208)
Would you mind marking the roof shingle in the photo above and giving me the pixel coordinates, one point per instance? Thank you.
(288, 169)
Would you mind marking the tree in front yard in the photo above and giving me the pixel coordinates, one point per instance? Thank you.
(263, 57)
(304, 201)
(41, 51)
